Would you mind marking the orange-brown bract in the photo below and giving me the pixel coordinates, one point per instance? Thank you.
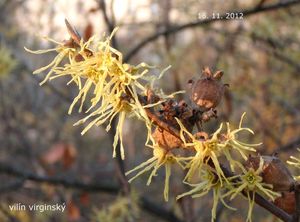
(208, 91)
(274, 172)
(170, 110)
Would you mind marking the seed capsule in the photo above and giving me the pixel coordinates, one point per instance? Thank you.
(274, 172)
(286, 202)
(208, 91)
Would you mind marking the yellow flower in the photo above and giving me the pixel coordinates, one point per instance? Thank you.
(295, 162)
(230, 143)
(208, 182)
(110, 85)
(161, 157)
(205, 151)
(250, 182)
(210, 149)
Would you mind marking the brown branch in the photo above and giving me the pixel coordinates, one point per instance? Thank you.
(110, 23)
(297, 197)
(66, 182)
(101, 186)
(103, 8)
(272, 208)
(120, 166)
(14, 185)
(274, 44)
(175, 29)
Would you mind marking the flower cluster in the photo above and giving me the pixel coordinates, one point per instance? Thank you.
(205, 164)
(209, 149)
(110, 85)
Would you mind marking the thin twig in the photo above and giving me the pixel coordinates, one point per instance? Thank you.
(297, 197)
(291, 145)
(274, 44)
(110, 23)
(14, 185)
(66, 182)
(175, 29)
(120, 166)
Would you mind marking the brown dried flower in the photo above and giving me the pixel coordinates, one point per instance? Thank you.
(171, 110)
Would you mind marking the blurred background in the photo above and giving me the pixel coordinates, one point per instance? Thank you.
(45, 160)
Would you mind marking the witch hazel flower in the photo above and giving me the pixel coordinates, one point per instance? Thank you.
(104, 82)
(208, 182)
(250, 182)
(161, 158)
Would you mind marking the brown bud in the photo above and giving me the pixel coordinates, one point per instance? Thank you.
(208, 91)
(74, 41)
(73, 32)
(274, 172)
(286, 202)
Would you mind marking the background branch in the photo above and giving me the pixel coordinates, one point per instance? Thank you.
(297, 197)
(274, 44)
(175, 29)
(291, 145)
(99, 186)
(63, 181)
(120, 165)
